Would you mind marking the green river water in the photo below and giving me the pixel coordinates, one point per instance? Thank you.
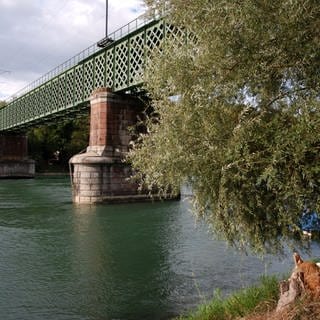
(61, 261)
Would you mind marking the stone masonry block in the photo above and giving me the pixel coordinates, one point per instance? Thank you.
(84, 174)
(82, 199)
(90, 193)
(96, 187)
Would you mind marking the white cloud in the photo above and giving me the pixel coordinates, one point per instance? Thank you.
(37, 35)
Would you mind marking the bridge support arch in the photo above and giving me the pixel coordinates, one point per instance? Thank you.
(99, 174)
(14, 161)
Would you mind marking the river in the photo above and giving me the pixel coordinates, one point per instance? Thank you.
(62, 261)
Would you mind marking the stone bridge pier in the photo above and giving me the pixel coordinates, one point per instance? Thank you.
(99, 174)
(14, 161)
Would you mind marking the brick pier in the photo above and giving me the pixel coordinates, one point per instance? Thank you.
(14, 161)
(99, 174)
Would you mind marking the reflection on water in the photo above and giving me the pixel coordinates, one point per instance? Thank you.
(136, 261)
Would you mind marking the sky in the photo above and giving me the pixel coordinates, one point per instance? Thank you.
(38, 35)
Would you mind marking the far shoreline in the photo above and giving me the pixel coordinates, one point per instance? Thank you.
(51, 174)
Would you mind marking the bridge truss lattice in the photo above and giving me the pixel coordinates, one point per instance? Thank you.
(119, 66)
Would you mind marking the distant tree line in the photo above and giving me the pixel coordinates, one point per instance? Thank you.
(51, 146)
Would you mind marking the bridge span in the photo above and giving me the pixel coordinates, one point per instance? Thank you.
(65, 90)
(108, 80)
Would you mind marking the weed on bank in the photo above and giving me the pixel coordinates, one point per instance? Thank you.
(261, 298)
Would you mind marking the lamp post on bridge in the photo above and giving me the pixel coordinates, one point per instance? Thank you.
(106, 40)
(107, 9)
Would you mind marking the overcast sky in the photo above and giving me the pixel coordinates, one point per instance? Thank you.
(38, 35)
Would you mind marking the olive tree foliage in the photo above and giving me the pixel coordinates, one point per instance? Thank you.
(236, 115)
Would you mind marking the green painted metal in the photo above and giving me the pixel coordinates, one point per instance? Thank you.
(66, 91)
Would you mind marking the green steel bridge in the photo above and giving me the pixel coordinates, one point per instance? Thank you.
(64, 92)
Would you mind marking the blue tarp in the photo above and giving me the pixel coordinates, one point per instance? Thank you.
(310, 221)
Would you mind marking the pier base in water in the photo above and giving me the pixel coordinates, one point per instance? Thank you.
(101, 179)
(17, 169)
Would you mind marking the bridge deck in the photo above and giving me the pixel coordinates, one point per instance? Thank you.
(118, 66)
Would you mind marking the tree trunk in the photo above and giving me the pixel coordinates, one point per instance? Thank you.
(290, 290)
(305, 278)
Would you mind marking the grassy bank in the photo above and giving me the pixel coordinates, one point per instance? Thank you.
(261, 298)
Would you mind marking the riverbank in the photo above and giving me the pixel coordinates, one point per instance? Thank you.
(261, 298)
(256, 303)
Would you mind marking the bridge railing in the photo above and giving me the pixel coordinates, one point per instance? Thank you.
(116, 35)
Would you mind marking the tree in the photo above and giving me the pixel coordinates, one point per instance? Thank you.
(64, 139)
(236, 115)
